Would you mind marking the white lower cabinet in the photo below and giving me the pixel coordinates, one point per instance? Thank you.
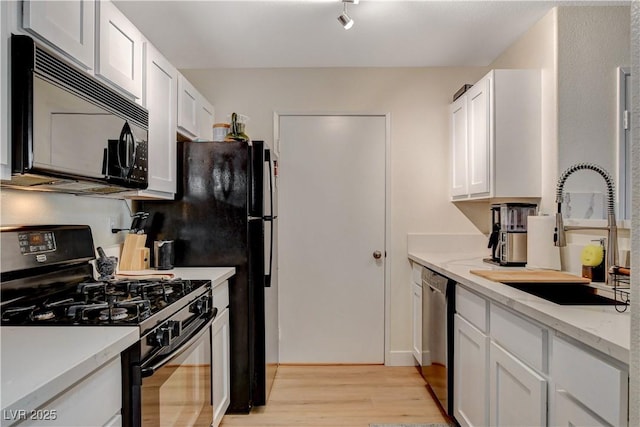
(587, 386)
(569, 413)
(115, 421)
(93, 401)
(220, 353)
(470, 400)
(508, 370)
(518, 394)
(220, 383)
(417, 321)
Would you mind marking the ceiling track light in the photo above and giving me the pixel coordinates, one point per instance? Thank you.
(344, 19)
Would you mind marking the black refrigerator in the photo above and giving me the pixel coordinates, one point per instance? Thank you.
(223, 205)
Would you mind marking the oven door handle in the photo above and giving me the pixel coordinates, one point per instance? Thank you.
(147, 371)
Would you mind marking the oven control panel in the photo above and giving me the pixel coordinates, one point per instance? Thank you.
(36, 242)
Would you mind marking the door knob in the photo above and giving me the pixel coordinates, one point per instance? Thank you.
(377, 254)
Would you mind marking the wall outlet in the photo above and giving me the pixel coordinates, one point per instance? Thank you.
(112, 222)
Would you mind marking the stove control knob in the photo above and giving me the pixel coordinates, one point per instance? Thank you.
(160, 337)
(175, 327)
(198, 307)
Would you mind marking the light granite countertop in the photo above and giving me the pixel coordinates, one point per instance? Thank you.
(39, 362)
(599, 327)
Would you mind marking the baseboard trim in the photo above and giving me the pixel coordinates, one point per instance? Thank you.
(400, 358)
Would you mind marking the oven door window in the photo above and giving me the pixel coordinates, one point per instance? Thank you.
(179, 393)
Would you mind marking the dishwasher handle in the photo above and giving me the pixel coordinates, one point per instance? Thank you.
(435, 281)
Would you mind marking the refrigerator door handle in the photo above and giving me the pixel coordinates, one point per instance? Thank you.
(269, 218)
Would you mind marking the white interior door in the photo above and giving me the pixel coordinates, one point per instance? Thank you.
(331, 221)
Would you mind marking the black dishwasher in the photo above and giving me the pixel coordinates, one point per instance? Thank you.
(438, 308)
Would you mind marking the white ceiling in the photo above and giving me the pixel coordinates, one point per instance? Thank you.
(306, 33)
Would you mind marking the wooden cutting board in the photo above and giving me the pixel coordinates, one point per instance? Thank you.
(528, 276)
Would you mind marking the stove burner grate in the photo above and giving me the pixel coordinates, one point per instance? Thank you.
(113, 313)
(43, 315)
(123, 301)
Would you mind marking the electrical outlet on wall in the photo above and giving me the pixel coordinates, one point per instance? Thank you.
(112, 222)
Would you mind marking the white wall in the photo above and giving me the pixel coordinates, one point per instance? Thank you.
(18, 207)
(417, 100)
(592, 43)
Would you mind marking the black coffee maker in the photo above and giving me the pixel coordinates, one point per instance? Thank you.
(508, 238)
(494, 237)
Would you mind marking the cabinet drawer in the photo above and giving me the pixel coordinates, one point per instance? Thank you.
(597, 384)
(521, 337)
(472, 307)
(221, 296)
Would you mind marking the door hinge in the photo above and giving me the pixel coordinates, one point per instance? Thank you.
(625, 120)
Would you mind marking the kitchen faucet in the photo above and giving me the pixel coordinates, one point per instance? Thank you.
(559, 237)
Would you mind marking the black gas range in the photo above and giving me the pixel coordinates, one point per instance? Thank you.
(47, 280)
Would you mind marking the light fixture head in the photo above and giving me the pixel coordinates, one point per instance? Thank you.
(345, 20)
(351, 1)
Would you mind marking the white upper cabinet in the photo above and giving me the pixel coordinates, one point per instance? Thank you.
(459, 185)
(496, 137)
(68, 26)
(195, 113)
(119, 53)
(478, 126)
(187, 108)
(5, 152)
(205, 119)
(160, 99)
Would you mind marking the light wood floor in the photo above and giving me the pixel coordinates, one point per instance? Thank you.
(308, 396)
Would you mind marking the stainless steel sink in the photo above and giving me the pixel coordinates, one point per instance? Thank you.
(565, 293)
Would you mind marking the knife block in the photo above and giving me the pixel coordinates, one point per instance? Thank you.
(135, 256)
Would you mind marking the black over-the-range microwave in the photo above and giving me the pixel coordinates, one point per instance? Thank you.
(70, 132)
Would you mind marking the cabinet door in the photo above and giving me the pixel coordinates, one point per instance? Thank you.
(67, 25)
(92, 401)
(518, 394)
(568, 413)
(116, 421)
(459, 148)
(597, 383)
(478, 111)
(119, 57)
(5, 135)
(470, 401)
(417, 322)
(205, 119)
(220, 382)
(160, 99)
(187, 108)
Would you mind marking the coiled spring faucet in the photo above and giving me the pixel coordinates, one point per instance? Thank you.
(559, 237)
